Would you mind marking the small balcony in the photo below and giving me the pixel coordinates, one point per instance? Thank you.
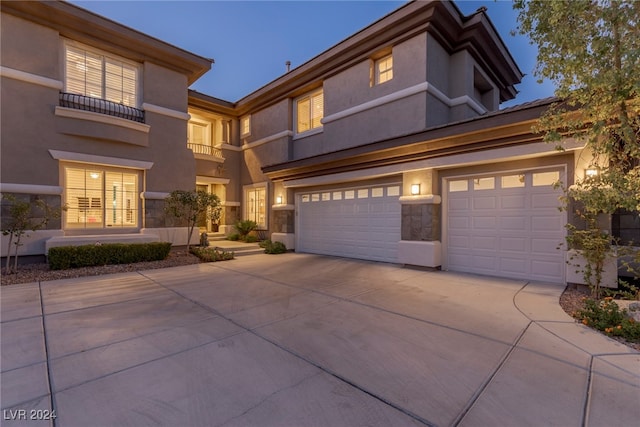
(206, 150)
(102, 106)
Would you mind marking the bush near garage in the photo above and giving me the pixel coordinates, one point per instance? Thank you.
(64, 257)
(273, 247)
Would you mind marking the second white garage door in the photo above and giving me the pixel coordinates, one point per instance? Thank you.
(506, 225)
(361, 222)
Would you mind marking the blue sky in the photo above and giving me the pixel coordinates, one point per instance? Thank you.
(250, 41)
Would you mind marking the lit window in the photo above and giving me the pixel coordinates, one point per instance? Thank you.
(460, 185)
(256, 205)
(484, 183)
(97, 198)
(545, 178)
(96, 74)
(245, 126)
(309, 112)
(383, 69)
(199, 136)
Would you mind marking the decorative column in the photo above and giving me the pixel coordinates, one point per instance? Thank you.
(283, 217)
(421, 225)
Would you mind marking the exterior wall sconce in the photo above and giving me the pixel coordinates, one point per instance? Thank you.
(415, 189)
(590, 172)
(278, 200)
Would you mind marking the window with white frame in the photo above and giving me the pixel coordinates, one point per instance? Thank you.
(309, 111)
(255, 205)
(383, 69)
(98, 197)
(199, 137)
(96, 74)
(245, 126)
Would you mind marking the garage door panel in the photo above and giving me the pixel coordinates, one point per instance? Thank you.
(513, 231)
(488, 222)
(547, 223)
(545, 246)
(517, 244)
(516, 266)
(459, 223)
(513, 202)
(545, 200)
(459, 204)
(483, 242)
(484, 202)
(514, 223)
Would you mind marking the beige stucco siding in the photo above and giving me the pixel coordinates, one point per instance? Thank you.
(29, 47)
(27, 133)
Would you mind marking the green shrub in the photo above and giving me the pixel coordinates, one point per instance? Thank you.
(233, 237)
(606, 316)
(250, 238)
(245, 227)
(64, 257)
(273, 247)
(211, 254)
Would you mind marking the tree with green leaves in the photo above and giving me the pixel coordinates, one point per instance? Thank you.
(190, 205)
(590, 50)
(23, 216)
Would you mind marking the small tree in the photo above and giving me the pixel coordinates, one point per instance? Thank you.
(591, 51)
(20, 220)
(189, 205)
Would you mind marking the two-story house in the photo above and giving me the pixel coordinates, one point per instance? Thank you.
(389, 146)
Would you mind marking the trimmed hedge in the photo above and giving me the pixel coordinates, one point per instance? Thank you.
(64, 257)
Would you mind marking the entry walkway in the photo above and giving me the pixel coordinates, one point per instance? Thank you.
(300, 340)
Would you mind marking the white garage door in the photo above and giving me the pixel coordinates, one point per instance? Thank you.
(361, 223)
(506, 225)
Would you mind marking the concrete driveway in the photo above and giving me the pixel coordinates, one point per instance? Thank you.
(304, 340)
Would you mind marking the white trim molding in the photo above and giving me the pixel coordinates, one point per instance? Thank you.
(230, 203)
(283, 134)
(165, 111)
(49, 190)
(428, 199)
(73, 113)
(23, 76)
(69, 156)
(404, 93)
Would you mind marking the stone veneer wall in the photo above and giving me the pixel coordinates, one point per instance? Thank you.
(54, 201)
(421, 222)
(283, 221)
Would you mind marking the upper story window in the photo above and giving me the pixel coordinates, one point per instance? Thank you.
(309, 111)
(96, 74)
(245, 126)
(383, 69)
(199, 133)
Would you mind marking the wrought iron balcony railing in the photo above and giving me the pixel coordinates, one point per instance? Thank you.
(207, 150)
(102, 106)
